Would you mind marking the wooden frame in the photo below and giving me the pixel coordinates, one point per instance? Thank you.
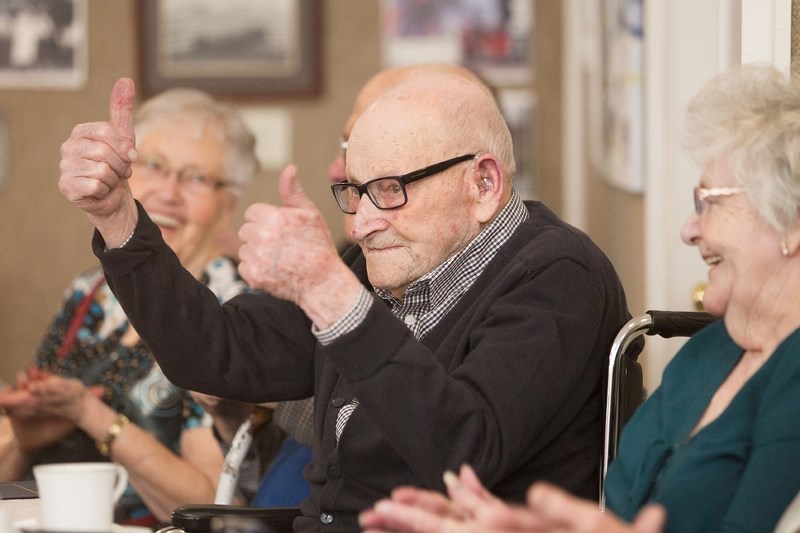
(232, 48)
(46, 47)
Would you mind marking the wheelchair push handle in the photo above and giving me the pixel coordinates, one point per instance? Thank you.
(668, 324)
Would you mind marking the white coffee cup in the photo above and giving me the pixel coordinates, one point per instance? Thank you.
(79, 496)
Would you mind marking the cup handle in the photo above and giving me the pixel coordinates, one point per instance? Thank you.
(121, 484)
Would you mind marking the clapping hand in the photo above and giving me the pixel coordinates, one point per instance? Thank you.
(43, 408)
(470, 508)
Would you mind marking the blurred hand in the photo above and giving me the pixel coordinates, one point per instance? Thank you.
(37, 416)
(472, 509)
(560, 511)
(65, 397)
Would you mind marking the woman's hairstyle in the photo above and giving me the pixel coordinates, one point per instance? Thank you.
(748, 118)
(241, 163)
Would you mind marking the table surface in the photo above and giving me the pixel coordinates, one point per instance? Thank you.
(21, 509)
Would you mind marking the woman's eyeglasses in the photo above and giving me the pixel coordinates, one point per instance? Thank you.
(191, 180)
(701, 194)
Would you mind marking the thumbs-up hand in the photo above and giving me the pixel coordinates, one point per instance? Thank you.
(288, 251)
(95, 164)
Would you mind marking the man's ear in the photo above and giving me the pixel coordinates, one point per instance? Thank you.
(490, 186)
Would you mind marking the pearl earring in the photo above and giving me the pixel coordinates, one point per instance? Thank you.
(784, 249)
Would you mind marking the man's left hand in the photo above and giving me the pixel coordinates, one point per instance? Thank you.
(288, 251)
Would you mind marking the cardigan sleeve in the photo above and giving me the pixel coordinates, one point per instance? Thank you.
(200, 344)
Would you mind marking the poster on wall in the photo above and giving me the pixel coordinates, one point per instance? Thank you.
(491, 37)
(43, 44)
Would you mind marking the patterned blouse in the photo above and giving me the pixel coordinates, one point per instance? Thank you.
(133, 382)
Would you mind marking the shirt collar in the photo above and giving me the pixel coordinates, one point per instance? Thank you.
(460, 270)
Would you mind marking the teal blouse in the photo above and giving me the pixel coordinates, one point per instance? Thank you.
(736, 474)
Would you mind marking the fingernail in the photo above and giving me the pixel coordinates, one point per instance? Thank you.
(133, 155)
(382, 506)
(451, 480)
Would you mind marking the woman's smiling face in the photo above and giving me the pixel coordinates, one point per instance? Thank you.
(188, 215)
(740, 248)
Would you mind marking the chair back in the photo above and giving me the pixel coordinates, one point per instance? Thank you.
(624, 390)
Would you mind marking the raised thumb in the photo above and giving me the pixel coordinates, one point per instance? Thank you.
(121, 107)
(292, 194)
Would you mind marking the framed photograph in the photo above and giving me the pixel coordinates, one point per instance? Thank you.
(231, 48)
(43, 44)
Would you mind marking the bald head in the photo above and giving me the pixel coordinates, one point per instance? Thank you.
(443, 110)
(387, 79)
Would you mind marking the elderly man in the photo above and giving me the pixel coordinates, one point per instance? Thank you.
(468, 328)
(379, 84)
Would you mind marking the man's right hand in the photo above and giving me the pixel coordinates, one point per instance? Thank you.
(96, 163)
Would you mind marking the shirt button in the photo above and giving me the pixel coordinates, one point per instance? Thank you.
(337, 402)
(410, 320)
(326, 518)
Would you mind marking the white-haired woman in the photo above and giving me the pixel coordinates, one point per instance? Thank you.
(94, 390)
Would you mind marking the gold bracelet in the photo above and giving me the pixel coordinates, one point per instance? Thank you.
(104, 447)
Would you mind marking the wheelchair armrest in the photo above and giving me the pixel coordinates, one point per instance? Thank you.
(197, 518)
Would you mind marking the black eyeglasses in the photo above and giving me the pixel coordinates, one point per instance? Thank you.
(389, 192)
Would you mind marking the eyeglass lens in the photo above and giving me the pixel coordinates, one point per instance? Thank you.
(189, 179)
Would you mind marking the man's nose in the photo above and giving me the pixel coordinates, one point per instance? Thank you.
(366, 219)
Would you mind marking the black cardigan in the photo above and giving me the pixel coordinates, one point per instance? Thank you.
(510, 381)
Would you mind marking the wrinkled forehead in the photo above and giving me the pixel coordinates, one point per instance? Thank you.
(395, 130)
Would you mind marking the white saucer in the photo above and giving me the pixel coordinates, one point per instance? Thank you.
(31, 525)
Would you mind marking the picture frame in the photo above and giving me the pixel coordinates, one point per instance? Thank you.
(236, 48)
(44, 45)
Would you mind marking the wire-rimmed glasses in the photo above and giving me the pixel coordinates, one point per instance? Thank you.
(190, 179)
(701, 194)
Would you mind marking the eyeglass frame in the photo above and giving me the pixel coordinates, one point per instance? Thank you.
(213, 184)
(403, 180)
(702, 193)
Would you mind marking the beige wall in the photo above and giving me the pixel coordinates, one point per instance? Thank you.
(45, 241)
